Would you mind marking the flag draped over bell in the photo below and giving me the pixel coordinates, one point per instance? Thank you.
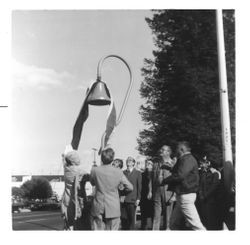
(110, 125)
(82, 117)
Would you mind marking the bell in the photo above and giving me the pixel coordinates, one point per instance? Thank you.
(99, 94)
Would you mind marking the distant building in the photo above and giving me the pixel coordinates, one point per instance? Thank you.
(18, 180)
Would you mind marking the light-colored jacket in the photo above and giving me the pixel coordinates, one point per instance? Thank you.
(158, 191)
(106, 180)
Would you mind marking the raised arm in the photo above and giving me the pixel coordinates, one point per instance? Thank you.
(127, 185)
(92, 177)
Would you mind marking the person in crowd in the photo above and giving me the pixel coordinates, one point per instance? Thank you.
(105, 210)
(118, 163)
(74, 195)
(185, 182)
(162, 198)
(140, 165)
(84, 222)
(146, 205)
(132, 199)
(207, 201)
(226, 196)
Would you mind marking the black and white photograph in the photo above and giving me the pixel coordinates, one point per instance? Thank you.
(123, 119)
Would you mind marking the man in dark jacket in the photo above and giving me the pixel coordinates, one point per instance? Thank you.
(207, 201)
(132, 199)
(185, 182)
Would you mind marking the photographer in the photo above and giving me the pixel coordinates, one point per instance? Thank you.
(208, 193)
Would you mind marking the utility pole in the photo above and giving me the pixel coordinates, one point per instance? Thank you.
(228, 168)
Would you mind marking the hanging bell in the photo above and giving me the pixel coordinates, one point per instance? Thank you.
(99, 94)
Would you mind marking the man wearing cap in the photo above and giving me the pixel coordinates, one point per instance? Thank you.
(207, 201)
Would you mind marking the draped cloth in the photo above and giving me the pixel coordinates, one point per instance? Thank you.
(110, 125)
(83, 116)
(74, 196)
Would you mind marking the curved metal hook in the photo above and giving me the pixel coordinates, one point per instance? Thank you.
(100, 64)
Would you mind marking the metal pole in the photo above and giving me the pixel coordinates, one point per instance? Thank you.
(224, 104)
(99, 69)
(100, 64)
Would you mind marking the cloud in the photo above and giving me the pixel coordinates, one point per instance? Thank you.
(41, 78)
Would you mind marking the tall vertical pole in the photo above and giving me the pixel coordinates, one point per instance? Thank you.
(224, 105)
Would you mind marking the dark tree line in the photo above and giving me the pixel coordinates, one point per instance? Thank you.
(181, 86)
(38, 188)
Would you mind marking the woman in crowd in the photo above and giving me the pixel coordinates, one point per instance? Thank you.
(146, 204)
(74, 194)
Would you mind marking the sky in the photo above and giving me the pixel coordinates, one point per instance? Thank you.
(54, 59)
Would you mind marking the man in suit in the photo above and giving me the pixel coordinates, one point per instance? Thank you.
(105, 210)
(132, 199)
(162, 198)
(185, 182)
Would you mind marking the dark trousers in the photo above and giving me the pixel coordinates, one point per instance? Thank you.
(128, 219)
(146, 207)
(210, 216)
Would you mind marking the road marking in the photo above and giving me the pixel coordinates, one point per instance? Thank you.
(34, 215)
(30, 220)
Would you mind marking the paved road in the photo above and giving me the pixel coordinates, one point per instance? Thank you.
(41, 220)
(37, 220)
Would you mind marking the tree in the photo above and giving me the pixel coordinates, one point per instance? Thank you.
(38, 188)
(181, 86)
(17, 192)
